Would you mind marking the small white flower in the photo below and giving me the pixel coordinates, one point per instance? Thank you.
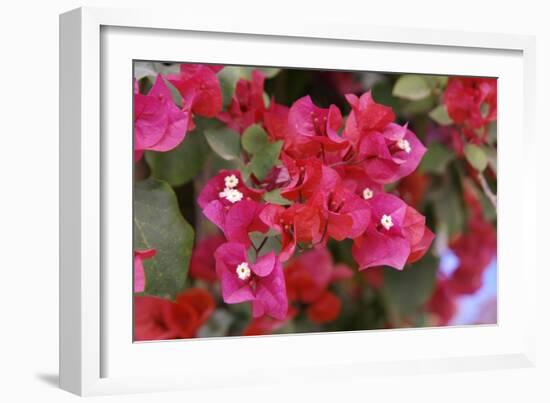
(233, 195)
(243, 271)
(231, 181)
(386, 221)
(367, 193)
(404, 145)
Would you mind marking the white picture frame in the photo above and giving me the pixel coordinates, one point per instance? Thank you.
(96, 355)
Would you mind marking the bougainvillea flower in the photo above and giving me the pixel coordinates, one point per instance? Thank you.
(139, 273)
(391, 154)
(152, 319)
(200, 83)
(222, 193)
(442, 303)
(375, 277)
(412, 188)
(306, 177)
(384, 241)
(355, 179)
(276, 121)
(308, 275)
(247, 104)
(366, 116)
(471, 101)
(475, 249)
(419, 236)
(346, 214)
(242, 219)
(161, 319)
(325, 309)
(318, 124)
(202, 265)
(191, 310)
(261, 282)
(267, 325)
(297, 223)
(159, 124)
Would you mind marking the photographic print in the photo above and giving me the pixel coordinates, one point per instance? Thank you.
(281, 200)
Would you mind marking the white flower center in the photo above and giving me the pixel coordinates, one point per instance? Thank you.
(404, 145)
(367, 193)
(233, 195)
(231, 181)
(386, 221)
(243, 271)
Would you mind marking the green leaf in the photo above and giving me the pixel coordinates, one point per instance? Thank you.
(158, 224)
(275, 197)
(254, 139)
(228, 77)
(412, 87)
(476, 156)
(176, 96)
(224, 142)
(263, 160)
(439, 115)
(450, 210)
(183, 163)
(405, 292)
(143, 69)
(436, 159)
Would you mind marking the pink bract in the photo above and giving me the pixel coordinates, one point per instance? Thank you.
(139, 273)
(264, 285)
(159, 124)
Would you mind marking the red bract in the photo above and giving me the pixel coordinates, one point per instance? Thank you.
(276, 121)
(159, 124)
(306, 177)
(413, 187)
(317, 124)
(393, 234)
(325, 309)
(442, 303)
(199, 83)
(366, 116)
(247, 104)
(387, 151)
(297, 223)
(419, 236)
(161, 319)
(475, 249)
(224, 192)
(261, 282)
(203, 265)
(471, 101)
(346, 215)
(139, 273)
(309, 274)
(267, 325)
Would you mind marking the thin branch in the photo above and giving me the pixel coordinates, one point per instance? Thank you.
(487, 190)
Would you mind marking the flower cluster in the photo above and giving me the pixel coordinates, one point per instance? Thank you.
(472, 104)
(331, 176)
(160, 124)
(475, 249)
(162, 319)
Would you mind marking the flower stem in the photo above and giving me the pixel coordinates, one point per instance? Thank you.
(487, 190)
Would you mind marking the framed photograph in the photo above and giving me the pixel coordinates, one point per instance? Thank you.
(234, 202)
